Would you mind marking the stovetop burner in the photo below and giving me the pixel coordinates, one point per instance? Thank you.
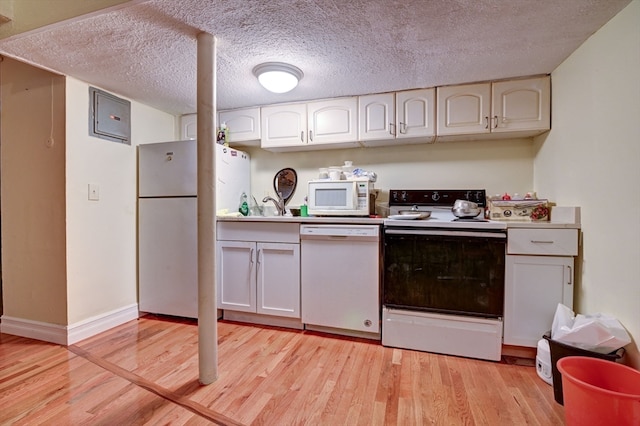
(469, 219)
(439, 202)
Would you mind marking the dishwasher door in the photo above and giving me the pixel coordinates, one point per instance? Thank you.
(340, 276)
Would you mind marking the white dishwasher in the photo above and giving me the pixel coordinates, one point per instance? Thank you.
(340, 278)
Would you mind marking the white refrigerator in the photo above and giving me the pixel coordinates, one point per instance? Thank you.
(167, 220)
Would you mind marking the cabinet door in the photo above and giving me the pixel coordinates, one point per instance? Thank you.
(464, 109)
(278, 283)
(521, 105)
(534, 287)
(236, 267)
(188, 128)
(333, 121)
(415, 114)
(243, 125)
(284, 126)
(377, 117)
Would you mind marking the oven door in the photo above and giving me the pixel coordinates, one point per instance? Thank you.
(447, 271)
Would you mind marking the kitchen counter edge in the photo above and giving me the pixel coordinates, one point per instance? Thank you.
(377, 221)
(308, 219)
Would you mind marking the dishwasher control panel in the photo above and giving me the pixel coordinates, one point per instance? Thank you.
(340, 230)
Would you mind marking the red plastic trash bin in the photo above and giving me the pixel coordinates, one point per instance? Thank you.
(599, 392)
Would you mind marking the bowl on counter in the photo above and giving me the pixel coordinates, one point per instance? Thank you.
(295, 211)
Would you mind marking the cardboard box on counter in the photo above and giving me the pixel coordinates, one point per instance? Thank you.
(519, 210)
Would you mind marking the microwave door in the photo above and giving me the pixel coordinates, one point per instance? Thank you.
(333, 198)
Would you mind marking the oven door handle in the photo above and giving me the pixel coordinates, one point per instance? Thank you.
(499, 235)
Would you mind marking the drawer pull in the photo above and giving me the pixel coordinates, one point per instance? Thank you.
(541, 242)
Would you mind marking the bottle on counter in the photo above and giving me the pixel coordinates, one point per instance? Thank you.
(244, 205)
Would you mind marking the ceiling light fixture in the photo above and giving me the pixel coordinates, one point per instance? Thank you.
(278, 77)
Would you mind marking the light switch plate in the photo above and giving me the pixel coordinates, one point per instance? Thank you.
(94, 192)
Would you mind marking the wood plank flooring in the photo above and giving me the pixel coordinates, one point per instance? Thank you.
(145, 372)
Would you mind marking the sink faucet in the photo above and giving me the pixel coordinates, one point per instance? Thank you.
(279, 203)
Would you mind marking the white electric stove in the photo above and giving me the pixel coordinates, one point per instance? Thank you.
(443, 280)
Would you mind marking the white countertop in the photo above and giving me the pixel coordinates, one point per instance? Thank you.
(307, 219)
(561, 218)
(377, 221)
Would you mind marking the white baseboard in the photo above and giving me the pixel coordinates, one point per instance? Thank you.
(69, 334)
(53, 333)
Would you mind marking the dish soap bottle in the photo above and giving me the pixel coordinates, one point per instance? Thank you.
(244, 206)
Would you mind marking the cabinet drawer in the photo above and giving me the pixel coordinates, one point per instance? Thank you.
(556, 242)
(258, 231)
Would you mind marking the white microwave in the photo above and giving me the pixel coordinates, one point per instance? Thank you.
(352, 197)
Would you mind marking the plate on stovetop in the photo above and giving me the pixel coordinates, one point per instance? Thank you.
(411, 216)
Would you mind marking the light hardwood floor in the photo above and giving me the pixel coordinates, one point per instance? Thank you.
(146, 372)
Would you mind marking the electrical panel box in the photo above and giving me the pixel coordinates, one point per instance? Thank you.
(109, 116)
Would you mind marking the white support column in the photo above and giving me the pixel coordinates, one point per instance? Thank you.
(206, 134)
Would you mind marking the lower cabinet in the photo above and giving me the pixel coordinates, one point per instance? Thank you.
(256, 272)
(539, 275)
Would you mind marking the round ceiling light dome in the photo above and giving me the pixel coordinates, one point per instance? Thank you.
(278, 77)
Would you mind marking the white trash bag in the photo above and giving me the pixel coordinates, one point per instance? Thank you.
(598, 332)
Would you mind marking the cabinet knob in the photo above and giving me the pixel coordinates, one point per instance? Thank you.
(367, 323)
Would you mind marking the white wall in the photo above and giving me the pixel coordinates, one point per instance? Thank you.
(497, 166)
(101, 235)
(591, 158)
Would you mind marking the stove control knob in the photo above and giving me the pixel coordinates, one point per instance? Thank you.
(435, 196)
(403, 196)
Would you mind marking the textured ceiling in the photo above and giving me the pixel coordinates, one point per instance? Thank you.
(147, 51)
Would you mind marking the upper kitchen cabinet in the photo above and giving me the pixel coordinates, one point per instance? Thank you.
(413, 121)
(521, 105)
(243, 126)
(188, 126)
(333, 122)
(316, 125)
(284, 126)
(397, 118)
(515, 108)
(416, 115)
(377, 115)
(464, 109)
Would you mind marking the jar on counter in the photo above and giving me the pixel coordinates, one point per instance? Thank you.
(335, 173)
(347, 169)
